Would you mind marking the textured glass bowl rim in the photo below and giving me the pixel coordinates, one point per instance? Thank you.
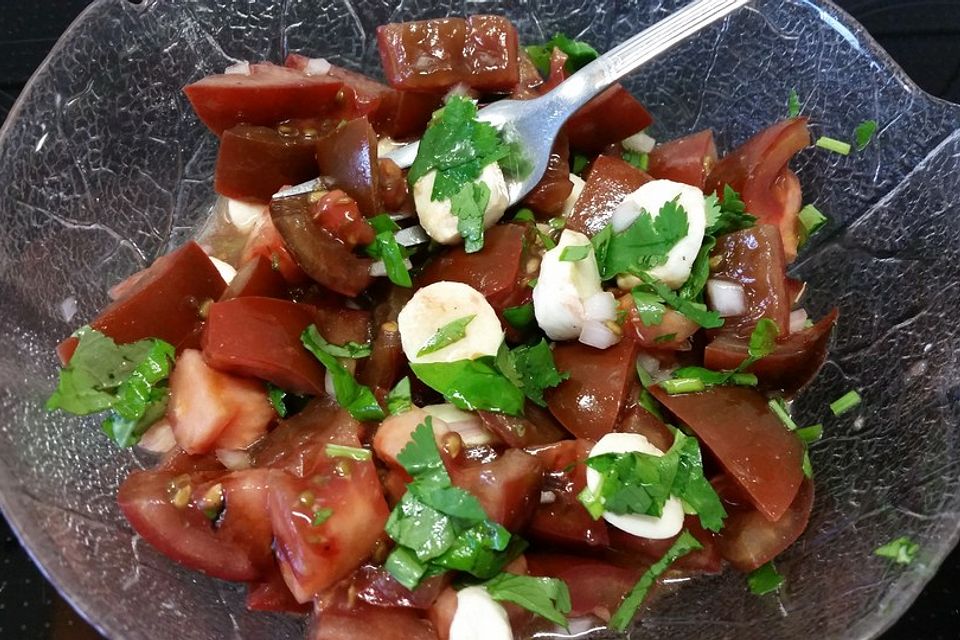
(837, 17)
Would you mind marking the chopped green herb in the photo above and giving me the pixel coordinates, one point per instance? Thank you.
(727, 215)
(580, 163)
(386, 248)
(579, 53)
(521, 317)
(130, 379)
(469, 205)
(692, 289)
(471, 385)
(342, 451)
(636, 159)
(810, 434)
(356, 398)
(675, 386)
(845, 403)
(532, 283)
(810, 222)
(793, 104)
(696, 311)
(650, 306)
(575, 253)
(277, 397)
(903, 550)
(832, 144)
(398, 399)
(806, 465)
(320, 516)
(536, 370)
(643, 245)
(864, 133)
(780, 410)
(545, 239)
(351, 350)
(711, 378)
(667, 337)
(557, 223)
(764, 580)
(524, 215)
(450, 333)
(684, 544)
(549, 598)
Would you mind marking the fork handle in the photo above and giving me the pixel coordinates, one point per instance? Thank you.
(596, 76)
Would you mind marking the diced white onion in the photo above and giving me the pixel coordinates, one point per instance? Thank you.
(328, 385)
(233, 459)
(379, 270)
(639, 142)
(68, 308)
(798, 320)
(468, 425)
(238, 69)
(726, 298)
(597, 334)
(386, 144)
(317, 67)
(547, 497)
(227, 272)
(158, 438)
(600, 306)
(245, 215)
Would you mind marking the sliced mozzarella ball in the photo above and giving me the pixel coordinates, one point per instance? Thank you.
(563, 287)
(245, 215)
(226, 270)
(568, 204)
(651, 197)
(479, 617)
(639, 142)
(667, 525)
(439, 304)
(439, 221)
(466, 423)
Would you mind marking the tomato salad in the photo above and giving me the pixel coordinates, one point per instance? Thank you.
(413, 410)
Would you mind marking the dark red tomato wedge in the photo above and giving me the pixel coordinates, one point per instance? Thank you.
(749, 540)
(360, 96)
(564, 521)
(341, 325)
(348, 155)
(256, 277)
(266, 241)
(754, 258)
(339, 214)
(558, 70)
(166, 509)
(494, 271)
(508, 488)
(425, 55)
(375, 585)
(793, 364)
(588, 403)
(536, 428)
(272, 594)
(672, 334)
(210, 409)
(648, 551)
(610, 117)
(529, 82)
(758, 170)
(608, 180)
(748, 440)
(315, 553)
(596, 587)
(253, 163)
(406, 113)
(639, 420)
(267, 96)
(260, 337)
(549, 195)
(321, 255)
(383, 369)
(688, 160)
(366, 621)
(163, 303)
(490, 54)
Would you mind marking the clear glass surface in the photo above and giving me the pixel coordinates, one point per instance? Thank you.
(104, 167)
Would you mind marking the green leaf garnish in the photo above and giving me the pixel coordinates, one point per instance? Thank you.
(579, 53)
(575, 252)
(536, 370)
(793, 104)
(903, 550)
(343, 451)
(696, 311)
(468, 205)
(471, 385)
(277, 397)
(320, 516)
(863, 134)
(728, 215)
(636, 159)
(521, 317)
(832, 144)
(650, 306)
(580, 163)
(356, 398)
(845, 403)
(450, 333)
(549, 598)
(764, 580)
(643, 245)
(398, 399)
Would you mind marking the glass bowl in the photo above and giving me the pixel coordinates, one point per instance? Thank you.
(104, 167)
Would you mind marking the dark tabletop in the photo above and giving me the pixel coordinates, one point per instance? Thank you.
(922, 35)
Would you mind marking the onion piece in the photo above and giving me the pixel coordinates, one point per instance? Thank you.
(468, 425)
(600, 306)
(597, 334)
(726, 298)
(798, 320)
(238, 69)
(639, 142)
(378, 269)
(234, 459)
(158, 438)
(317, 67)
(227, 272)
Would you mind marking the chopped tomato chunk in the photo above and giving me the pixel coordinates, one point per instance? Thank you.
(348, 156)
(608, 181)
(253, 163)
(609, 118)
(688, 160)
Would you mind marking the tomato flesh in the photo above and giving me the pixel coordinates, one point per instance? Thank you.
(596, 587)
(608, 180)
(348, 155)
(688, 160)
(508, 488)
(253, 163)
(256, 277)
(607, 119)
(549, 195)
(490, 53)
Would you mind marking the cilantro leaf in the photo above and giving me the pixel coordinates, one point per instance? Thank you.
(579, 163)
(352, 350)
(766, 579)
(903, 550)
(356, 398)
(636, 159)
(549, 598)
(277, 397)
(727, 215)
(386, 248)
(579, 53)
(521, 317)
(536, 370)
(793, 104)
(524, 215)
(684, 544)
(763, 341)
(421, 457)
(398, 399)
(471, 385)
(642, 245)
(450, 333)
(649, 306)
(575, 252)
(699, 272)
(469, 205)
(696, 311)
(864, 133)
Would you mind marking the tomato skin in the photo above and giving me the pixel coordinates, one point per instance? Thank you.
(596, 587)
(749, 441)
(688, 160)
(490, 53)
(164, 302)
(537, 427)
(272, 594)
(256, 277)
(508, 487)
(529, 82)
(362, 620)
(393, 187)
(749, 540)
(610, 117)
(631, 548)
(608, 180)
(754, 258)
(588, 403)
(348, 155)
(266, 241)
(657, 337)
(639, 420)
(339, 214)
(376, 586)
(260, 337)
(426, 55)
(253, 163)
(793, 364)
(318, 252)
(266, 97)
(758, 170)
(549, 195)
(384, 367)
